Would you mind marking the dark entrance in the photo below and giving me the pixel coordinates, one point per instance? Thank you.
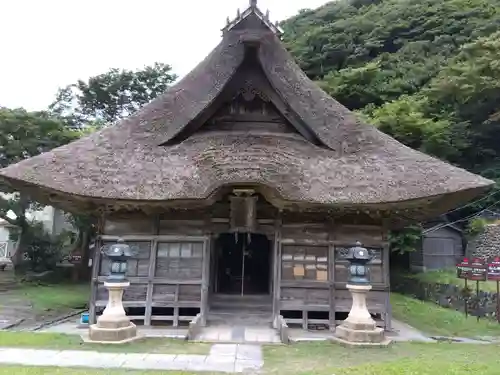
(243, 264)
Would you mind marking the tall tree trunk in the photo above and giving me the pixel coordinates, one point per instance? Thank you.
(23, 241)
(17, 258)
(84, 272)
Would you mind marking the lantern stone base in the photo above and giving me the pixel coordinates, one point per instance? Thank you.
(120, 335)
(113, 326)
(359, 329)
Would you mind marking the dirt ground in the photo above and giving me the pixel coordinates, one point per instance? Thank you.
(17, 307)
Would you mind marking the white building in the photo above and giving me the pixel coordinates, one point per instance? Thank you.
(54, 221)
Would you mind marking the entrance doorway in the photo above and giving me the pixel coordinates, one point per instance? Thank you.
(243, 264)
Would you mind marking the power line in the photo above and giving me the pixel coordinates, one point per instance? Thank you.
(474, 202)
(460, 220)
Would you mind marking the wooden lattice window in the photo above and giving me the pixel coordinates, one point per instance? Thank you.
(179, 260)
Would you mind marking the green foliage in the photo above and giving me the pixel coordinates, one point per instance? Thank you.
(405, 120)
(25, 134)
(475, 227)
(405, 240)
(42, 251)
(343, 34)
(427, 73)
(468, 92)
(111, 96)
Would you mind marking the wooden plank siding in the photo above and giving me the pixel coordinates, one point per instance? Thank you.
(174, 268)
(167, 271)
(314, 274)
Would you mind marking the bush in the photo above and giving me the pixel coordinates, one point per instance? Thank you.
(43, 250)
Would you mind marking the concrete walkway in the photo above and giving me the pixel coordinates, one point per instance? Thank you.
(404, 332)
(222, 358)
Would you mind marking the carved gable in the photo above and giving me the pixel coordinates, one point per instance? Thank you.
(250, 112)
(250, 104)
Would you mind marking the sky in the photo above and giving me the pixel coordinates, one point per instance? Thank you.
(52, 43)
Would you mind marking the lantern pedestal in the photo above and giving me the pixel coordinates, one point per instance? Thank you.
(359, 329)
(113, 326)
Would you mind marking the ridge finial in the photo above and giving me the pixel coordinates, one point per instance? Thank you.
(253, 3)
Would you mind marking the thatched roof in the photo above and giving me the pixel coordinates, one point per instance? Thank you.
(140, 159)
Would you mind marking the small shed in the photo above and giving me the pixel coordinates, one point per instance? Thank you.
(441, 247)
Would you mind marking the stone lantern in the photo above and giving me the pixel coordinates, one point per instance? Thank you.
(113, 326)
(359, 329)
(118, 254)
(358, 258)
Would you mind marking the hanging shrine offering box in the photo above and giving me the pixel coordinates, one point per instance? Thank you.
(494, 269)
(475, 269)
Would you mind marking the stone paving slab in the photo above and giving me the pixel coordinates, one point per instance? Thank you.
(222, 358)
(223, 350)
(249, 352)
(239, 335)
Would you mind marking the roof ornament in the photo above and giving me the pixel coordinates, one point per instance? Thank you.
(238, 14)
(267, 15)
(253, 3)
(228, 21)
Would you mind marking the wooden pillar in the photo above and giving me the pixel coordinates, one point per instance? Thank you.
(176, 305)
(205, 280)
(96, 265)
(331, 283)
(386, 273)
(276, 259)
(151, 274)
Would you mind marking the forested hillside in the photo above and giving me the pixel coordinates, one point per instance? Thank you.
(426, 72)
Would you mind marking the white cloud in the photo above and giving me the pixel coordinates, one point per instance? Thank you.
(49, 44)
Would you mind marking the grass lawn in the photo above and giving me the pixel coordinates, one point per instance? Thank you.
(54, 297)
(11, 370)
(433, 319)
(449, 276)
(73, 342)
(398, 359)
(322, 358)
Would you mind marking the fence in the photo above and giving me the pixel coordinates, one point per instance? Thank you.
(482, 305)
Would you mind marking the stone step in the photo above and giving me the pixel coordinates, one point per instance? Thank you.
(238, 334)
(235, 303)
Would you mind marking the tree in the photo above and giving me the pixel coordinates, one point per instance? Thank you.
(426, 73)
(103, 99)
(410, 41)
(23, 135)
(111, 96)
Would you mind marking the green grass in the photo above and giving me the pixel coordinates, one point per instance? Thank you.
(433, 319)
(449, 276)
(16, 370)
(325, 358)
(73, 342)
(54, 297)
(399, 359)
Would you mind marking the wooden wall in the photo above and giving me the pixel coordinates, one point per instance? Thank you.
(168, 273)
(171, 272)
(312, 274)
